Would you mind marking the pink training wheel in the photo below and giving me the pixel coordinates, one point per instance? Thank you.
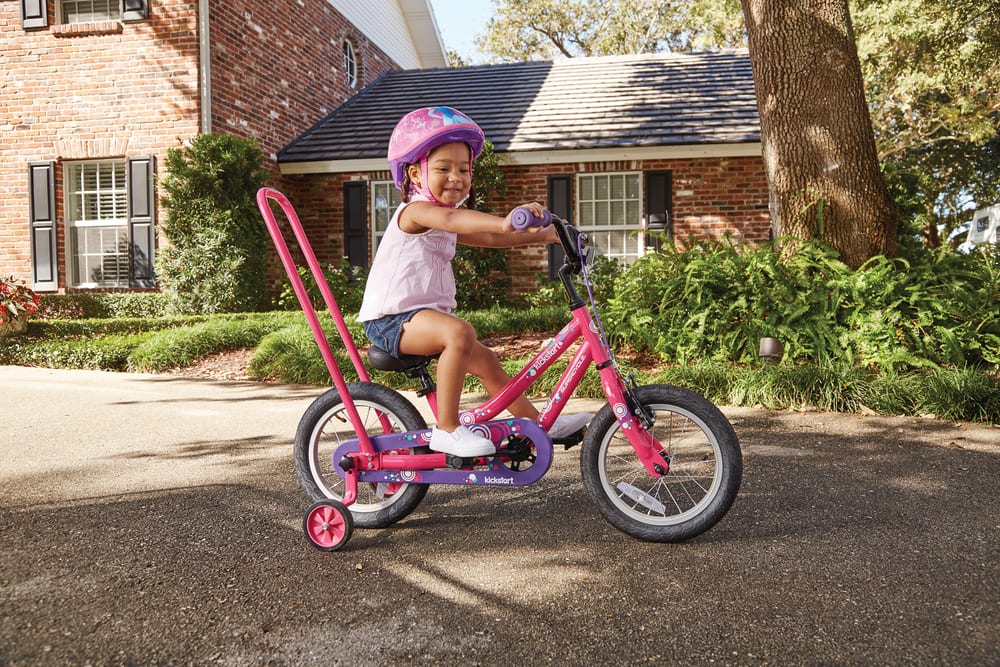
(328, 525)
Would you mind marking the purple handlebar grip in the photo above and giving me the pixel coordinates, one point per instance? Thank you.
(522, 218)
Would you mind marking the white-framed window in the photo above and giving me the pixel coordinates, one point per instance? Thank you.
(97, 223)
(350, 63)
(385, 200)
(89, 11)
(609, 209)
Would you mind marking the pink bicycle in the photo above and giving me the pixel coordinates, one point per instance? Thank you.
(661, 463)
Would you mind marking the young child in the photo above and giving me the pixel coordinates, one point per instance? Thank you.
(410, 291)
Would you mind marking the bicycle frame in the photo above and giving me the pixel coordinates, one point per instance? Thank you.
(378, 459)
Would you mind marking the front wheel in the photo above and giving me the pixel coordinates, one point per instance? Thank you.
(325, 426)
(705, 467)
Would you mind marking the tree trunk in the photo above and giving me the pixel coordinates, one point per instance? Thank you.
(819, 148)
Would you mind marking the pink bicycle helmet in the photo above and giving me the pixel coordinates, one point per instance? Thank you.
(421, 131)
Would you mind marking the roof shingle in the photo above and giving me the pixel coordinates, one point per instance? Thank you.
(662, 99)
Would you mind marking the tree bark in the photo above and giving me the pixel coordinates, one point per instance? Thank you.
(816, 131)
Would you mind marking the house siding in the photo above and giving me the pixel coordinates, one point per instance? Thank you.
(116, 90)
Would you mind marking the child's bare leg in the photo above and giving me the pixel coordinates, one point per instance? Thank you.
(484, 364)
(430, 332)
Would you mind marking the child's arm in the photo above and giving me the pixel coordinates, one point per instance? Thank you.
(510, 239)
(473, 227)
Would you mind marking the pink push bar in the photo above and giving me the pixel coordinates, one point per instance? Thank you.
(263, 195)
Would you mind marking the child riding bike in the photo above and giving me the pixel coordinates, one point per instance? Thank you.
(410, 292)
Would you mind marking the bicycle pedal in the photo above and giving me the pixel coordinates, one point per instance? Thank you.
(460, 462)
(571, 440)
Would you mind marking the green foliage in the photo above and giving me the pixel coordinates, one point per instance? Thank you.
(140, 344)
(81, 305)
(178, 347)
(603, 275)
(346, 283)
(488, 180)
(481, 277)
(286, 352)
(291, 355)
(932, 84)
(716, 300)
(216, 260)
(544, 29)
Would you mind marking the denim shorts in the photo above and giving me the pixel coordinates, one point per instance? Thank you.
(385, 332)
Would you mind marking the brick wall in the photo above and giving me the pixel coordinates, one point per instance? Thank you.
(278, 68)
(115, 90)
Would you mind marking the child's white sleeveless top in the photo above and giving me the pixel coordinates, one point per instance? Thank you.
(410, 271)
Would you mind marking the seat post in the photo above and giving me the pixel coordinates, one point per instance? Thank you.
(422, 373)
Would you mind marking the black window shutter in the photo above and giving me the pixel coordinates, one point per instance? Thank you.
(659, 201)
(141, 214)
(356, 223)
(560, 201)
(34, 13)
(42, 219)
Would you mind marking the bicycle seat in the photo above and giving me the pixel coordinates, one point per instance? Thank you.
(384, 361)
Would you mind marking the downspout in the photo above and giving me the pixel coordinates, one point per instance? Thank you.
(204, 69)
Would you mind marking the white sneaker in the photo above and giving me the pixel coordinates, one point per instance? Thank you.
(462, 442)
(566, 425)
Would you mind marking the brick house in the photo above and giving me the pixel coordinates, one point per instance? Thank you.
(619, 145)
(96, 91)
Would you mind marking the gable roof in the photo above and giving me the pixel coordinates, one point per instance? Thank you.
(532, 109)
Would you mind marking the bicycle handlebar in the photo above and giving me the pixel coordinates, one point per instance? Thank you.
(523, 218)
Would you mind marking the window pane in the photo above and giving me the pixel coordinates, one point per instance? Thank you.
(385, 200)
(632, 186)
(617, 187)
(632, 209)
(617, 214)
(601, 188)
(602, 216)
(586, 188)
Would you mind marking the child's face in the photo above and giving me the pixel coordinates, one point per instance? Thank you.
(448, 173)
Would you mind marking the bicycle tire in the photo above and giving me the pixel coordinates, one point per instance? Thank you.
(325, 426)
(704, 476)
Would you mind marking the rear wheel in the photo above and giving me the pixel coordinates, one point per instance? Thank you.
(325, 426)
(703, 476)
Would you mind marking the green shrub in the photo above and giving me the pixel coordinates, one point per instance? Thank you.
(715, 300)
(103, 305)
(346, 283)
(481, 277)
(291, 355)
(172, 348)
(217, 254)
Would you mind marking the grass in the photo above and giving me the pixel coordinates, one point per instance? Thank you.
(286, 352)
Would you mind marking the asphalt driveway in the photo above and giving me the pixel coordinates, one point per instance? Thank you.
(156, 520)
